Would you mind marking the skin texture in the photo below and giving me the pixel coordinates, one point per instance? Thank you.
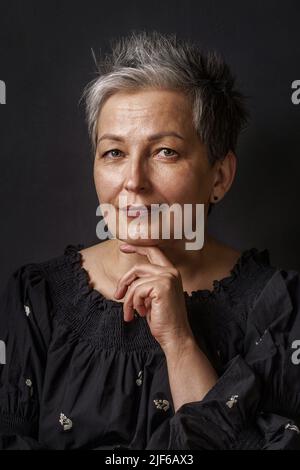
(146, 172)
(151, 275)
(141, 171)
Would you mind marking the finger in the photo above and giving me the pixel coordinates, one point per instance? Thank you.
(153, 253)
(137, 271)
(141, 294)
(129, 303)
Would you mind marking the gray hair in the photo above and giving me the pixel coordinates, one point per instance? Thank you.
(163, 61)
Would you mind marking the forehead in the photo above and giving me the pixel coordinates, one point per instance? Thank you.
(146, 111)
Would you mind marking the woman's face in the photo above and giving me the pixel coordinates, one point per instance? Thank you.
(148, 152)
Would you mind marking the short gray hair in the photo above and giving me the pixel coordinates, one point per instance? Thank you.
(163, 61)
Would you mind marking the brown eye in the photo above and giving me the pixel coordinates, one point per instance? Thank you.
(167, 152)
(112, 153)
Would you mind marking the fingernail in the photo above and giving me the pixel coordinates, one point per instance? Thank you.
(126, 248)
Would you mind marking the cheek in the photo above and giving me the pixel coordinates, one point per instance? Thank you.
(188, 182)
(197, 190)
(106, 183)
(187, 188)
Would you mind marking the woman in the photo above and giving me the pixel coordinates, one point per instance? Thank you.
(138, 342)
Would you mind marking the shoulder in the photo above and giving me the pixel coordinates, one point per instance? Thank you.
(25, 283)
(248, 277)
(272, 340)
(278, 299)
(273, 323)
(32, 288)
(25, 316)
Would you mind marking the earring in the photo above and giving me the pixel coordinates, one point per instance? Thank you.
(215, 198)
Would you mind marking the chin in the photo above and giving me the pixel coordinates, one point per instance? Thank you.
(140, 241)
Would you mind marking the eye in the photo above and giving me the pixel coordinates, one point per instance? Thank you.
(112, 153)
(168, 153)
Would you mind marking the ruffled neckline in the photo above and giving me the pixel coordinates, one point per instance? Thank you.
(238, 271)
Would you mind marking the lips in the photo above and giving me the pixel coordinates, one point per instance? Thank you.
(136, 211)
(133, 211)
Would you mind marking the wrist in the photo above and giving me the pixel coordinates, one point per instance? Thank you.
(181, 346)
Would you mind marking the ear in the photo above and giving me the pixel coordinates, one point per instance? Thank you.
(224, 175)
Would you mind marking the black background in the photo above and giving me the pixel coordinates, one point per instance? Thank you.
(48, 198)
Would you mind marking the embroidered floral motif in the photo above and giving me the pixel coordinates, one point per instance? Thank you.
(292, 427)
(257, 342)
(162, 404)
(65, 422)
(232, 401)
(27, 310)
(28, 382)
(139, 380)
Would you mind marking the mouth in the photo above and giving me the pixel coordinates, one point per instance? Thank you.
(136, 211)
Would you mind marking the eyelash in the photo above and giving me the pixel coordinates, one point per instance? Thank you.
(159, 150)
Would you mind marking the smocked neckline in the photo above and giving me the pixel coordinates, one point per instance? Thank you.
(72, 253)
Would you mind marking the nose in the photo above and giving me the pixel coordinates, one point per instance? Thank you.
(136, 177)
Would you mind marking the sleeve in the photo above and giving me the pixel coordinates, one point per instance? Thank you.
(255, 404)
(25, 332)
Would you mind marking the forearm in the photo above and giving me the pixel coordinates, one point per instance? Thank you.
(191, 375)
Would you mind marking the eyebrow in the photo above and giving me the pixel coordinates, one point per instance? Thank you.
(152, 137)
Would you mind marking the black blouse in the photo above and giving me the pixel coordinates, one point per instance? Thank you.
(74, 375)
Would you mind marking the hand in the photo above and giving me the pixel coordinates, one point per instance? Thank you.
(155, 291)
